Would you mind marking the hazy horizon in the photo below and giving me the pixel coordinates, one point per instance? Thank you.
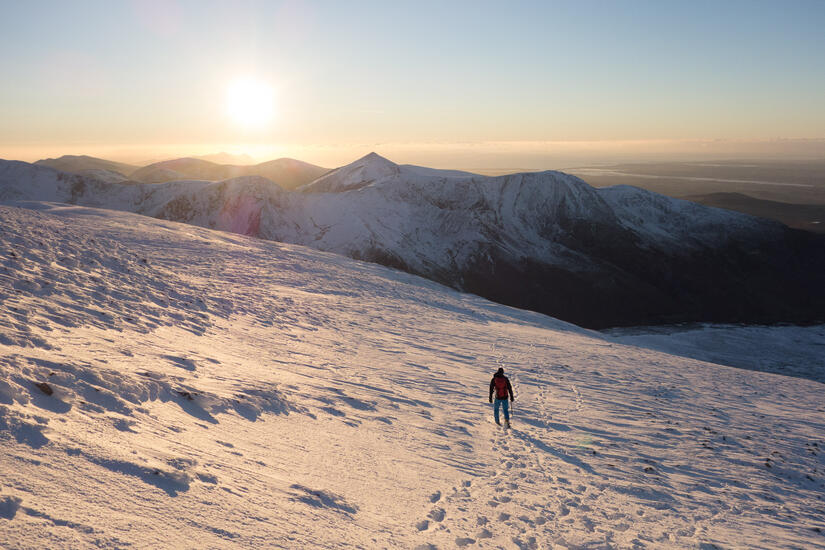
(481, 85)
(485, 157)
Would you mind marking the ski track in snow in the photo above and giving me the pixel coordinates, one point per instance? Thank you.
(217, 391)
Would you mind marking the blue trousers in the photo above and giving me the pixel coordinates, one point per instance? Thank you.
(502, 403)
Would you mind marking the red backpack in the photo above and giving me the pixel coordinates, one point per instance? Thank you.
(501, 387)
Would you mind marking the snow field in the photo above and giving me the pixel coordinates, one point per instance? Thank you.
(211, 390)
(788, 350)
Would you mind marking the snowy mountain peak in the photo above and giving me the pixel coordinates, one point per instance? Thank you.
(361, 173)
(373, 158)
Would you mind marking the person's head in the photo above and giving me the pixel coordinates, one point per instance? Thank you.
(500, 372)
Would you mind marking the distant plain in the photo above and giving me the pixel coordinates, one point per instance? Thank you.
(792, 192)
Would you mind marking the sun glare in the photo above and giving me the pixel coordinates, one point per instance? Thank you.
(250, 102)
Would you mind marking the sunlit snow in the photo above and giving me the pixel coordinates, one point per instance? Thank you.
(211, 390)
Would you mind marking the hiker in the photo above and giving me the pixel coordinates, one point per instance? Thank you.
(500, 384)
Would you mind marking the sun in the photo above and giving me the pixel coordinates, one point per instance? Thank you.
(250, 102)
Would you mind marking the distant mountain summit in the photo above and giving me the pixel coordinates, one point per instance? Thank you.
(544, 241)
(78, 164)
(182, 169)
(288, 173)
(373, 168)
(361, 173)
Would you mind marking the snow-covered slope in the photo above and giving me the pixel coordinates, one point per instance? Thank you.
(105, 175)
(544, 241)
(164, 385)
(363, 172)
(788, 350)
(375, 169)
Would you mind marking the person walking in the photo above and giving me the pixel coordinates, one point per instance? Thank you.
(500, 384)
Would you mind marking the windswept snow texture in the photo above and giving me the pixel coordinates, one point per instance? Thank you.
(541, 241)
(169, 386)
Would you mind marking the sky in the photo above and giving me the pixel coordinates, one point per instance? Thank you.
(448, 84)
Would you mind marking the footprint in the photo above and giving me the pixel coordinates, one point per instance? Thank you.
(481, 520)
(422, 525)
(588, 524)
(526, 520)
(435, 497)
(464, 541)
(437, 514)
(484, 534)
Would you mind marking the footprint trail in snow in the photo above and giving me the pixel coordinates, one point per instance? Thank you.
(185, 385)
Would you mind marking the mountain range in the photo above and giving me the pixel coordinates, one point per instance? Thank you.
(543, 241)
(288, 173)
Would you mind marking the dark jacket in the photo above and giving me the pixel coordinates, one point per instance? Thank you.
(493, 386)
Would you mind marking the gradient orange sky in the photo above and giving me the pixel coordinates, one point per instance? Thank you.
(481, 85)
